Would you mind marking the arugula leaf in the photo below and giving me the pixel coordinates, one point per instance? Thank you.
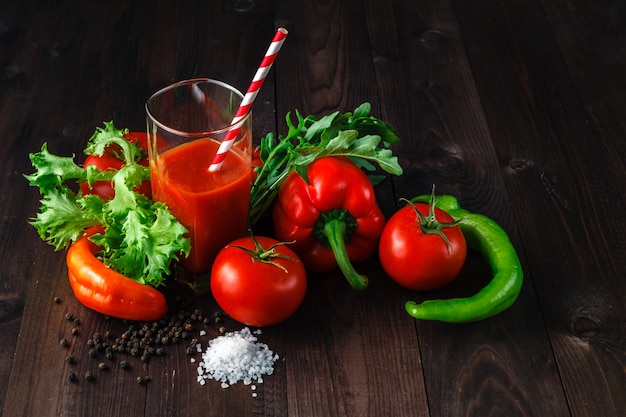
(141, 238)
(359, 136)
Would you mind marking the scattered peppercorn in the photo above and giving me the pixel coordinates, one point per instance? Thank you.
(57, 300)
(217, 318)
(142, 339)
(71, 376)
(142, 380)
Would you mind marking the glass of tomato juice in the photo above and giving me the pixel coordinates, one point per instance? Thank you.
(186, 122)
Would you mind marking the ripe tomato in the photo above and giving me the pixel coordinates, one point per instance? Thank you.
(414, 255)
(104, 189)
(254, 290)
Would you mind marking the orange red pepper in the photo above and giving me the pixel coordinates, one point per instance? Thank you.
(108, 292)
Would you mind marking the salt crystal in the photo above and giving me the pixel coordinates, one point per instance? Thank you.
(237, 356)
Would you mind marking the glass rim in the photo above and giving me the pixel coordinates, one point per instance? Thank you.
(203, 133)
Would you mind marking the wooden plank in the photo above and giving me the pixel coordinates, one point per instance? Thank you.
(591, 38)
(552, 155)
(346, 359)
(503, 364)
(90, 71)
(20, 48)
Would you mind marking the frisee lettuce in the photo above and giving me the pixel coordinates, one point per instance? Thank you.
(357, 135)
(141, 238)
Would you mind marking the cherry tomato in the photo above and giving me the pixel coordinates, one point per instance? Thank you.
(104, 189)
(419, 260)
(258, 284)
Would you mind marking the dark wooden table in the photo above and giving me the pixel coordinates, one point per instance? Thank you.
(517, 108)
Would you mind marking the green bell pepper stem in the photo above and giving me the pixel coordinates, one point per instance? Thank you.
(335, 231)
(487, 237)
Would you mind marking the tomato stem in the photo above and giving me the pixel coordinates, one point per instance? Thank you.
(268, 255)
(335, 231)
(429, 224)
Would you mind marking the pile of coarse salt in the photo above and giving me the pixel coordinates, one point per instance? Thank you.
(234, 357)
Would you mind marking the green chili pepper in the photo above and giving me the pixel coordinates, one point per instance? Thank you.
(487, 237)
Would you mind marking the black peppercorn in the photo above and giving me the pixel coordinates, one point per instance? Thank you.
(89, 376)
(71, 376)
(142, 380)
(124, 365)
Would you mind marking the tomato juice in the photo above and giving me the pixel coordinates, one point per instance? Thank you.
(213, 206)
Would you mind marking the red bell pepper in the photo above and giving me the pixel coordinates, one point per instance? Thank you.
(334, 220)
(102, 289)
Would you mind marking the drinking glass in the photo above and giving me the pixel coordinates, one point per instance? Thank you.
(186, 122)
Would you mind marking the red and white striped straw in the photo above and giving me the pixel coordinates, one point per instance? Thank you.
(248, 99)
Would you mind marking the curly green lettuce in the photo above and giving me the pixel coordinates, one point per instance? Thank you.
(141, 237)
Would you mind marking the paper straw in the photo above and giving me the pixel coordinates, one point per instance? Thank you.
(246, 103)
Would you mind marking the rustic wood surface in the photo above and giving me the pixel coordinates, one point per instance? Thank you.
(517, 107)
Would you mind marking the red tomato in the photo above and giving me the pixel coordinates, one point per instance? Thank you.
(417, 260)
(256, 162)
(104, 189)
(254, 292)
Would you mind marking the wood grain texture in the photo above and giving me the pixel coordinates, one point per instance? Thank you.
(566, 174)
(514, 107)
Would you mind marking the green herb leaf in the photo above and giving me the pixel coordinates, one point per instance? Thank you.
(111, 139)
(63, 218)
(359, 136)
(140, 239)
(53, 170)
